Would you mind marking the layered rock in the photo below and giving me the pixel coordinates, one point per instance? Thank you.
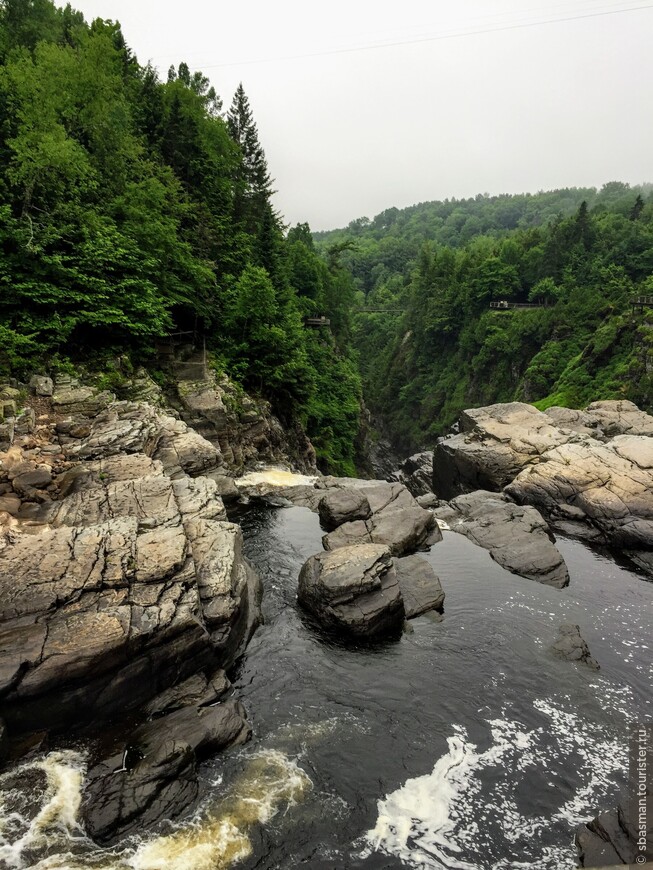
(353, 589)
(517, 537)
(589, 472)
(606, 487)
(243, 429)
(495, 443)
(129, 583)
(416, 473)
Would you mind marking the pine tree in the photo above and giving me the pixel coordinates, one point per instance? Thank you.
(253, 181)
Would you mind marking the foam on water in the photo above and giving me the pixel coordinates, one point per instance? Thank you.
(214, 839)
(469, 803)
(58, 796)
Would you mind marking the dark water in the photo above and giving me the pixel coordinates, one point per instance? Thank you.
(466, 744)
(530, 745)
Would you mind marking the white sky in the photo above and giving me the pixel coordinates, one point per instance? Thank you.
(350, 134)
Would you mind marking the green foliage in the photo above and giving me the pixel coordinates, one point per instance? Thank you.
(130, 209)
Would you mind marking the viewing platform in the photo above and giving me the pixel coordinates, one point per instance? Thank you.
(504, 305)
(317, 322)
(639, 303)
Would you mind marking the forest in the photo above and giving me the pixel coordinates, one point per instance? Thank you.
(577, 256)
(134, 207)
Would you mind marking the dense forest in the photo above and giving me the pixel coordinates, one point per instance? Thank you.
(132, 208)
(578, 256)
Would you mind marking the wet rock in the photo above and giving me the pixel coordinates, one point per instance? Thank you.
(339, 506)
(495, 443)
(155, 776)
(198, 691)
(4, 741)
(615, 837)
(41, 385)
(572, 647)
(517, 537)
(420, 586)
(354, 590)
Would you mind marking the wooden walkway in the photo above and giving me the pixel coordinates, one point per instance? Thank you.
(505, 305)
(639, 303)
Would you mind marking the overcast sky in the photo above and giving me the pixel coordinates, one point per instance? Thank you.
(350, 133)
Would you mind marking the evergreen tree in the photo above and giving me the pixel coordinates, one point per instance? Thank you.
(253, 181)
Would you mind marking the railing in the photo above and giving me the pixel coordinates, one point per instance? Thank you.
(504, 305)
(317, 322)
(642, 301)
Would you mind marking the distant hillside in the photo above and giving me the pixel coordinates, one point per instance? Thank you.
(577, 256)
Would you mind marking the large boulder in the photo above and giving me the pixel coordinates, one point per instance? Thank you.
(397, 521)
(354, 590)
(495, 443)
(517, 537)
(154, 775)
(340, 506)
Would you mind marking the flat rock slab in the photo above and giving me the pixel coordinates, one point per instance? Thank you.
(572, 647)
(517, 537)
(420, 586)
(354, 590)
(604, 420)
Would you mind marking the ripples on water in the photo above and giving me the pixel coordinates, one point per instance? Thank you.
(464, 745)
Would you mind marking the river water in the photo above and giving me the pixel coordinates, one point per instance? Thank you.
(465, 744)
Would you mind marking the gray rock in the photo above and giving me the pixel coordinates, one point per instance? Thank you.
(136, 583)
(339, 506)
(155, 776)
(197, 691)
(611, 838)
(420, 586)
(39, 478)
(517, 537)
(416, 473)
(41, 385)
(397, 520)
(495, 444)
(354, 590)
(571, 646)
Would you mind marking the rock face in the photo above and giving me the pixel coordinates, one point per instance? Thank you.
(353, 589)
(518, 538)
(589, 472)
(340, 506)
(243, 429)
(126, 585)
(571, 646)
(416, 473)
(420, 586)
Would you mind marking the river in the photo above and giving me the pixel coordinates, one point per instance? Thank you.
(465, 744)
